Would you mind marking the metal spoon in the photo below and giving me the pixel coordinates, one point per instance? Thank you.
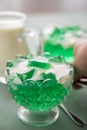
(76, 119)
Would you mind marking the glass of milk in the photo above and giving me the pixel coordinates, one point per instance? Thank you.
(12, 25)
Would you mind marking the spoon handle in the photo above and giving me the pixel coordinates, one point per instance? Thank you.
(76, 119)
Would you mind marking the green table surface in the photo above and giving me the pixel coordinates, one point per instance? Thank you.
(77, 99)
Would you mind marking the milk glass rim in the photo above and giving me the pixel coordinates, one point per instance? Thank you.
(21, 17)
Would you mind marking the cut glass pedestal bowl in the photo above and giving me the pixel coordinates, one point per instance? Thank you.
(39, 85)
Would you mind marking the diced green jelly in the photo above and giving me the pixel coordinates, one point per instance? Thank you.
(49, 76)
(38, 97)
(72, 28)
(9, 64)
(15, 61)
(54, 43)
(26, 75)
(57, 31)
(39, 64)
(58, 49)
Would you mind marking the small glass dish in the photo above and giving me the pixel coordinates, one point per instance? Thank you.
(39, 84)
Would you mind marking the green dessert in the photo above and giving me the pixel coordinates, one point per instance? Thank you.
(39, 83)
(61, 40)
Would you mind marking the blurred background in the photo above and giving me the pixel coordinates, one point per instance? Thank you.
(44, 6)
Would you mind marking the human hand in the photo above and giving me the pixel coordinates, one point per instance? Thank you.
(80, 63)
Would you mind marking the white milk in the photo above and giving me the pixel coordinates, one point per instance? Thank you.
(11, 28)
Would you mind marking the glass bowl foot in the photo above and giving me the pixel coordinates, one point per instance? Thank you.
(38, 118)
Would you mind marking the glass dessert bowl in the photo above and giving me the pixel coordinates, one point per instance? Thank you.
(39, 85)
(61, 40)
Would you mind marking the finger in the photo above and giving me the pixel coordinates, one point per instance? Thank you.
(77, 86)
(80, 84)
